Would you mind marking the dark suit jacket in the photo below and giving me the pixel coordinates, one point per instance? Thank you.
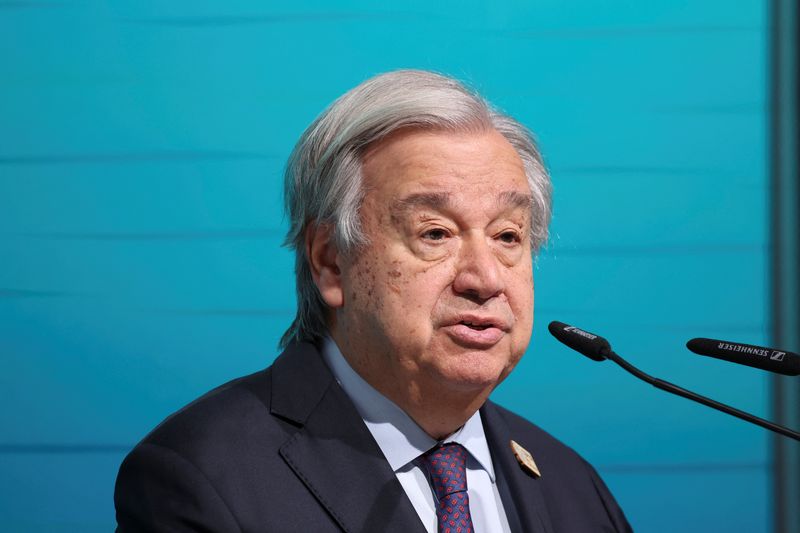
(284, 449)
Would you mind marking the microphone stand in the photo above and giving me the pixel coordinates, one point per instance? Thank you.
(674, 389)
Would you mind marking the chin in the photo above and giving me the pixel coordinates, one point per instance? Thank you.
(473, 372)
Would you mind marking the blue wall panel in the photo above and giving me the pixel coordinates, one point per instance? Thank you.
(141, 151)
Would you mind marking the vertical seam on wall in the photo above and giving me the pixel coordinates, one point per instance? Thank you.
(784, 205)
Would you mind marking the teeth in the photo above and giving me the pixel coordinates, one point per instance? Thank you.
(476, 326)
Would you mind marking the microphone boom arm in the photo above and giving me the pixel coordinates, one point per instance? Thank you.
(674, 389)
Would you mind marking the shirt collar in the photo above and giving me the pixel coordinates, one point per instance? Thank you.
(400, 438)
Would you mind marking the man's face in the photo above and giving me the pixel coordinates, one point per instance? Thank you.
(441, 299)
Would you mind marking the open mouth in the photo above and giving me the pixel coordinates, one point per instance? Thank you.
(476, 332)
(478, 327)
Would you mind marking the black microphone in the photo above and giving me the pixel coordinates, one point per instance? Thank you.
(779, 361)
(591, 345)
(599, 349)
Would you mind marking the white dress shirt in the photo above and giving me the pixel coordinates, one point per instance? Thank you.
(401, 440)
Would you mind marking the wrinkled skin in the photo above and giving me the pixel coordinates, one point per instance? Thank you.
(438, 308)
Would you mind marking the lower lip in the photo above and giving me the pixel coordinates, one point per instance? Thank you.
(474, 338)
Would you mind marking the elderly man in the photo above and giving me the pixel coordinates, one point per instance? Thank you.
(415, 211)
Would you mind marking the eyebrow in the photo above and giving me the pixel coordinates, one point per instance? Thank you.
(431, 200)
(516, 199)
(441, 200)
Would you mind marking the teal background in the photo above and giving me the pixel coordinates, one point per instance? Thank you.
(141, 152)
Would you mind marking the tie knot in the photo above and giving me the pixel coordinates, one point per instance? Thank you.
(446, 465)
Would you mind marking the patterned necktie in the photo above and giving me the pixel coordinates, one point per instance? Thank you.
(446, 466)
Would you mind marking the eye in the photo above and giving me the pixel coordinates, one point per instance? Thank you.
(435, 234)
(509, 237)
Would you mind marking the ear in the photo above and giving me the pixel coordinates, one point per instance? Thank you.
(323, 259)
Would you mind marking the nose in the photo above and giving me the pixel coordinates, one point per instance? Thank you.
(478, 271)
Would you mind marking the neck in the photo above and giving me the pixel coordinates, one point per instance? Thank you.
(439, 413)
(438, 409)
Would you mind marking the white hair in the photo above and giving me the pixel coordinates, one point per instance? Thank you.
(323, 182)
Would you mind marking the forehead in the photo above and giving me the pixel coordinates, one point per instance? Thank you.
(434, 165)
(442, 201)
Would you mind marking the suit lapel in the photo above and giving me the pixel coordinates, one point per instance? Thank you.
(520, 492)
(334, 454)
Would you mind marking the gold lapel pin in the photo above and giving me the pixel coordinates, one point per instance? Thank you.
(525, 459)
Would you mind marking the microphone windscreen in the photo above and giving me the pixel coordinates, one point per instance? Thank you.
(591, 345)
(769, 359)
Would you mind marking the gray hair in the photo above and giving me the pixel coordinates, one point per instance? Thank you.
(322, 183)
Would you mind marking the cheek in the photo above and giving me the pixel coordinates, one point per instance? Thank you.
(409, 293)
(522, 305)
(360, 285)
(406, 288)
(380, 287)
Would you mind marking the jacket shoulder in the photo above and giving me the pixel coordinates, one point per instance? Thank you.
(530, 435)
(218, 415)
(217, 460)
(255, 408)
(575, 496)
